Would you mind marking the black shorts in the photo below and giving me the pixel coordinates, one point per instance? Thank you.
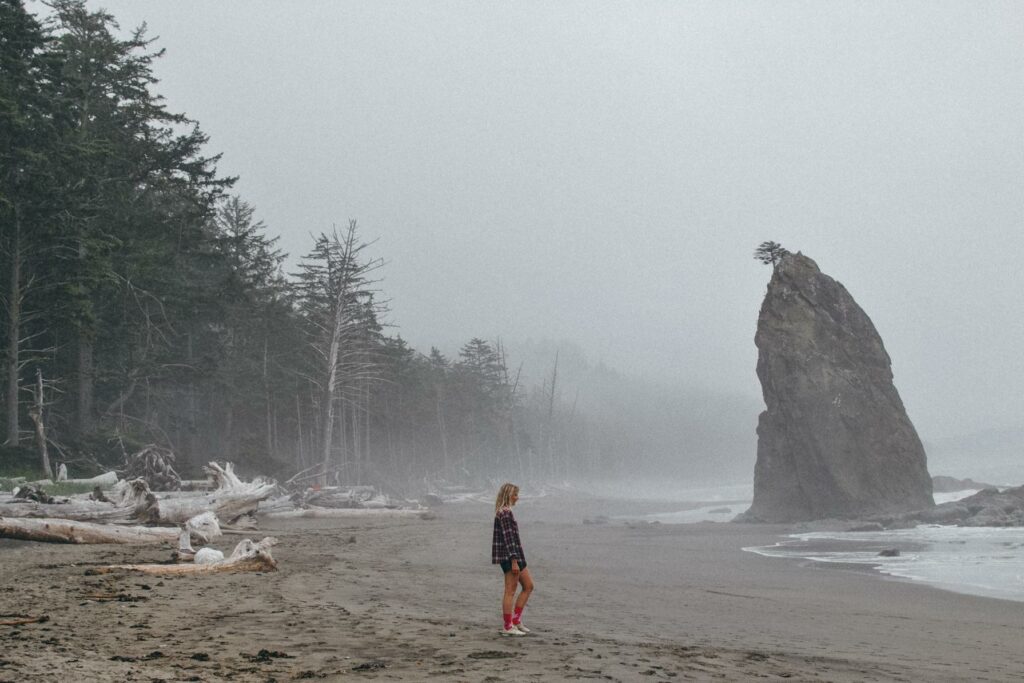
(506, 566)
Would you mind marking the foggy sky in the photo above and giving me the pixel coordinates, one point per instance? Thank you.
(602, 172)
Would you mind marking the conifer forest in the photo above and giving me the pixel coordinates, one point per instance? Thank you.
(145, 304)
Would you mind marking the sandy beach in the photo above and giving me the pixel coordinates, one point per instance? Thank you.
(397, 599)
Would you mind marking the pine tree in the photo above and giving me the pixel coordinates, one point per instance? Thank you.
(28, 110)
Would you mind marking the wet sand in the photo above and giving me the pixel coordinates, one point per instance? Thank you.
(417, 600)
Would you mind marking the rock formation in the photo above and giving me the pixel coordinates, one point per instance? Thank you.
(835, 440)
(989, 507)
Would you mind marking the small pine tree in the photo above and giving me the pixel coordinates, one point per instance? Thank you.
(770, 252)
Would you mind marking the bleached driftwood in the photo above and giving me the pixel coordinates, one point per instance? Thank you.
(248, 556)
(232, 499)
(133, 502)
(227, 506)
(203, 528)
(50, 530)
(129, 502)
(275, 504)
(105, 480)
(155, 464)
(319, 512)
(340, 496)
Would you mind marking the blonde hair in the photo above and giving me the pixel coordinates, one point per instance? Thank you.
(504, 499)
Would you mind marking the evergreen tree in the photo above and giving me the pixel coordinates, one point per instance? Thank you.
(770, 252)
(28, 113)
(136, 192)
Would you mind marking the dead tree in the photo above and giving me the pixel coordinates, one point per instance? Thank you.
(36, 413)
(339, 308)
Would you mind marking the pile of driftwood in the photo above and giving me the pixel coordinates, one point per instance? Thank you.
(131, 510)
(339, 501)
(127, 511)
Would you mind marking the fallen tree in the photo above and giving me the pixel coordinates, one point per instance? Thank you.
(132, 502)
(201, 528)
(247, 556)
(129, 502)
(232, 499)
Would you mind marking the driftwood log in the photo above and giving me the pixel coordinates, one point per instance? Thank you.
(22, 619)
(155, 464)
(202, 528)
(131, 502)
(319, 512)
(232, 499)
(106, 480)
(128, 503)
(248, 556)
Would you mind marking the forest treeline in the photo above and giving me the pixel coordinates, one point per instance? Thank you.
(143, 303)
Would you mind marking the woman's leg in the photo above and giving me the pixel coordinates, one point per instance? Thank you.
(510, 592)
(526, 581)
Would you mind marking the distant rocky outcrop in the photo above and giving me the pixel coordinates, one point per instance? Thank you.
(990, 507)
(942, 484)
(835, 440)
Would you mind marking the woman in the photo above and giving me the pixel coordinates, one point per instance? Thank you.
(507, 551)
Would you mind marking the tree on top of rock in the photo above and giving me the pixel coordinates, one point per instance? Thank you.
(770, 252)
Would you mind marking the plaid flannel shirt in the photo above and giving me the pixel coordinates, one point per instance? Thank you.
(505, 545)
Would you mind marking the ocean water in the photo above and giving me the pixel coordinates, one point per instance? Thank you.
(986, 561)
(983, 561)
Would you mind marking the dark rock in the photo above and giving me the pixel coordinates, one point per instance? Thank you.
(890, 552)
(871, 526)
(942, 484)
(989, 507)
(835, 440)
(373, 665)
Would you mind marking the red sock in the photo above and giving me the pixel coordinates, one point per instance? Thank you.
(508, 621)
(518, 616)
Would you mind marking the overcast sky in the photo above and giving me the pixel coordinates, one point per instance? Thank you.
(602, 172)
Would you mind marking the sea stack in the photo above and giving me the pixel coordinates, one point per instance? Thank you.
(835, 440)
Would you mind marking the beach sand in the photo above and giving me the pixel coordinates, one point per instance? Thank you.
(393, 599)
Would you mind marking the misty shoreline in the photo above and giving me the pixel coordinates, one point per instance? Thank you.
(419, 599)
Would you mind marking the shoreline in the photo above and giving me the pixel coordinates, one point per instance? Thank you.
(414, 600)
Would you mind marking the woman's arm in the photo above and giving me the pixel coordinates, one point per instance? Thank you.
(508, 534)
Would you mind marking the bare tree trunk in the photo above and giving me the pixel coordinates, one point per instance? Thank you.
(551, 409)
(228, 446)
(85, 382)
(13, 333)
(366, 421)
(444, 432)
(327, 435)
(36, 413)
(298, 431)
(193, 408)
(85, 369)
(266, 397)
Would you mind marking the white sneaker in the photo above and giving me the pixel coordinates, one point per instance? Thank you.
(511, 631)
(521, 626)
